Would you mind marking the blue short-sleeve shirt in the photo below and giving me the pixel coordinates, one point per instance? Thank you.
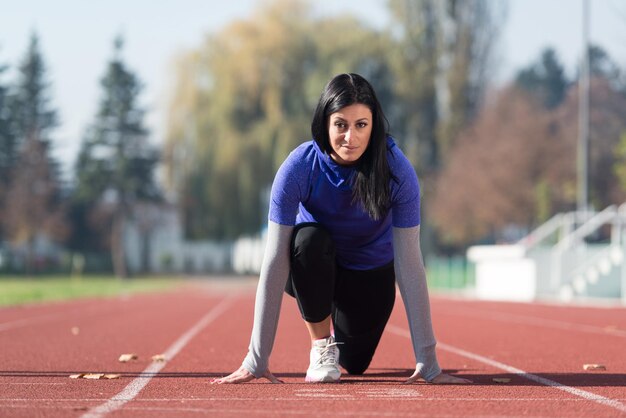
(310, 187)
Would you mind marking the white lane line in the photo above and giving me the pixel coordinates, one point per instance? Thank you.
(542, 322)
(134, 387)
(541, 380)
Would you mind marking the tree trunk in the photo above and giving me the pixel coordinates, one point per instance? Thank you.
(29, 260)
(118, 253)
(146, 251)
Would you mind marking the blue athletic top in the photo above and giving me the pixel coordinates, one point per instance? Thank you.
(311, 187)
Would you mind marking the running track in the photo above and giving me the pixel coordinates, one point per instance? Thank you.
(203, 330)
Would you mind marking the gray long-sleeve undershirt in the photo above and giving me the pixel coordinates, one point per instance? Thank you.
(410, 276)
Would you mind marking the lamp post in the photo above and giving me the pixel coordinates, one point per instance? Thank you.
(583, 117)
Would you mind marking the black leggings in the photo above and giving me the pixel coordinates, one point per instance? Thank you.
(360, 301)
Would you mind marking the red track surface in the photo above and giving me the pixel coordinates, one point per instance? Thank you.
(205, 329)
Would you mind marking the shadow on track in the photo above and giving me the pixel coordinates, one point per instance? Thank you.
(565, 379)
(372, 376)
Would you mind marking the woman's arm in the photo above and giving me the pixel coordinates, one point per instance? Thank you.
(269, 296)
(411, 279)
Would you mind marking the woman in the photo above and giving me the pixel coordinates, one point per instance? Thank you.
(343, 226)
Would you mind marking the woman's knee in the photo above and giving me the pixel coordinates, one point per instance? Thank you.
(312, 242)
(357, 351)
(355, 366)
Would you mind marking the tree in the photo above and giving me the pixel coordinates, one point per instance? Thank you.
(602, 65)
(445, 49)
(8, 151)
(244, 100)
(546, 79)
(606, 125)
(442, 61)
(33, 203)
(619, 168)
(115, 166)
(514, 166)
(31, 112)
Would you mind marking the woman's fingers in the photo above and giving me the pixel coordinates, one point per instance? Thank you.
(414, 377)
(242, 376)
(441, 379)
(446, 379)
(269, 376)
(232, 379)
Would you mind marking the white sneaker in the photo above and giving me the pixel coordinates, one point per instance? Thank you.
(324, 366)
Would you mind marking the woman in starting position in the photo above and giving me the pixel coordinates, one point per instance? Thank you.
(344, 226)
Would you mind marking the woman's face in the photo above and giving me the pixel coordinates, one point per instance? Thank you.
(349, 131)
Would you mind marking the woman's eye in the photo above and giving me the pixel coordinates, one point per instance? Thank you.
(340, 125)
(361, 124)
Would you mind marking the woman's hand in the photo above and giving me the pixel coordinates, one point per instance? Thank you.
(440, 379)
(242, 375)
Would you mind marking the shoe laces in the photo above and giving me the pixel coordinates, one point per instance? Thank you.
(328, 354)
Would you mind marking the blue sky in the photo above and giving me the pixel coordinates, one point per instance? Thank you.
(76, 40)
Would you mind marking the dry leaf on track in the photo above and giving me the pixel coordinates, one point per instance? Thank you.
(501, 379)
(124, 358)
(594, 367)
(158, 357)
(95, 376)
(80, 408)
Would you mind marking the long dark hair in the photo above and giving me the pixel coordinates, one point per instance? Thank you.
(370, 185)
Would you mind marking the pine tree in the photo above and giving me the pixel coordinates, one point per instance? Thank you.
(31, 112)
(115, 167)
(7, 147)
(33, 203)
(603, 66)
(545, 79)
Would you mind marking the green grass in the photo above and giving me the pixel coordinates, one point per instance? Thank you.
(20, 290)
(452, 273)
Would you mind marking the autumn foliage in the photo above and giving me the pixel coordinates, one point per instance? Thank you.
(516, 165)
